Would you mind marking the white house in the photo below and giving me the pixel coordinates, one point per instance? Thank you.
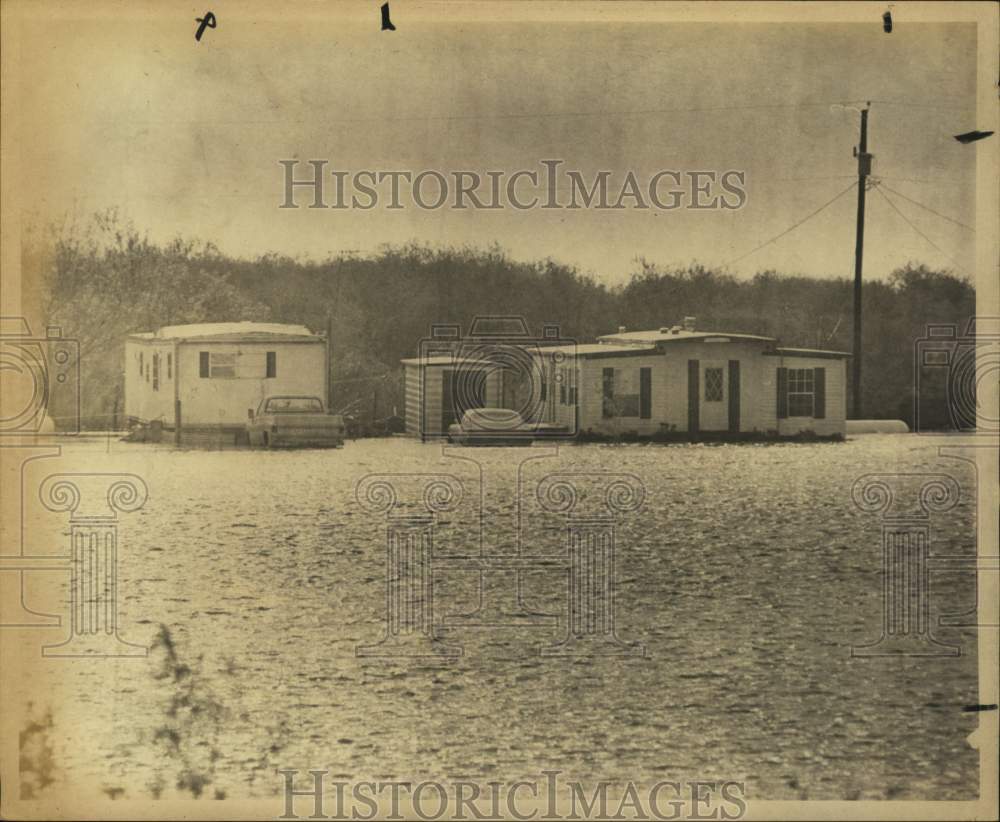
(214, 373)
(679, 379)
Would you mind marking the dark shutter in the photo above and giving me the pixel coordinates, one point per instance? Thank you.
(272, 364)
(819, 398)
(645, 393)
(734, 396)
(693, 424)
(449, 412)
(202, 363)
(608, 392)
(782, 393)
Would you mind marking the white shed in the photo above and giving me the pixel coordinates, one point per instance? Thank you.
(212, 374)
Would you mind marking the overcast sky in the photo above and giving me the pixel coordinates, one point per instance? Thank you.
(185, 137)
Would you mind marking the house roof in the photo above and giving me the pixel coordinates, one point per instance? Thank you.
(594, 350)
(666, 335)
(810, 352)
(226, 332)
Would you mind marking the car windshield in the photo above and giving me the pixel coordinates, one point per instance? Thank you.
(492, 419)
(294, 405)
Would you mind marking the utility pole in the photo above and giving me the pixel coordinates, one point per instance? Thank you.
(864, 169)
(329, 363)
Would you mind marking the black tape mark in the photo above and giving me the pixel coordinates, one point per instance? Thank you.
(887, 23)
(972, 709)
(386, 22)
(972, 136)
(206, 22)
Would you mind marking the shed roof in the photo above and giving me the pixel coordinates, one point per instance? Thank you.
(247, 331)
(810, 352)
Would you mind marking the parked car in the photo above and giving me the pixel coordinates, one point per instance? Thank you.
(491, 426)
(294, 422)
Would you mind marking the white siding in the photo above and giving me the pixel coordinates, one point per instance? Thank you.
(208, 401)
(669, 391)
(144, 399)
(424, 397)
(834, 421)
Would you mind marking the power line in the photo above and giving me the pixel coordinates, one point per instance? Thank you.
(931, 210)
(908, 104)
(793, 227)
(544, 114)
(935, 180)
(928, 239)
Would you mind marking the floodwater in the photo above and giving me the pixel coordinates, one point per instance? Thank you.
(747, 577)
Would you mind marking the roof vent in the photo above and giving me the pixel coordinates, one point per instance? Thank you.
(665, 330)
(689, 323)
(621, 329)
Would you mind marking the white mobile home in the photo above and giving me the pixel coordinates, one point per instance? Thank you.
(214, 373)
(678, 379)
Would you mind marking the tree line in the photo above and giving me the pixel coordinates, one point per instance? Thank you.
(103, 279)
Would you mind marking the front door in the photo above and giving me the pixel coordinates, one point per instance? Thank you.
(714, 409)
(713, 395)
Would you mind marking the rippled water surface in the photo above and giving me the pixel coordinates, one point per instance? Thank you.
(747, 577)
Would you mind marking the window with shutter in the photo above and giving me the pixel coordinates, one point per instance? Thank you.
(800, 392)
(608, 393)
(782, 382)
(819, 393)
(645, 393)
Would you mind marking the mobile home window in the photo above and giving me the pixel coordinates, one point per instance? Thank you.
(713, 385)
(222, 366)
(170, 366)
(801, 392)
(140, 365)
(156, 372)
(272, 365)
